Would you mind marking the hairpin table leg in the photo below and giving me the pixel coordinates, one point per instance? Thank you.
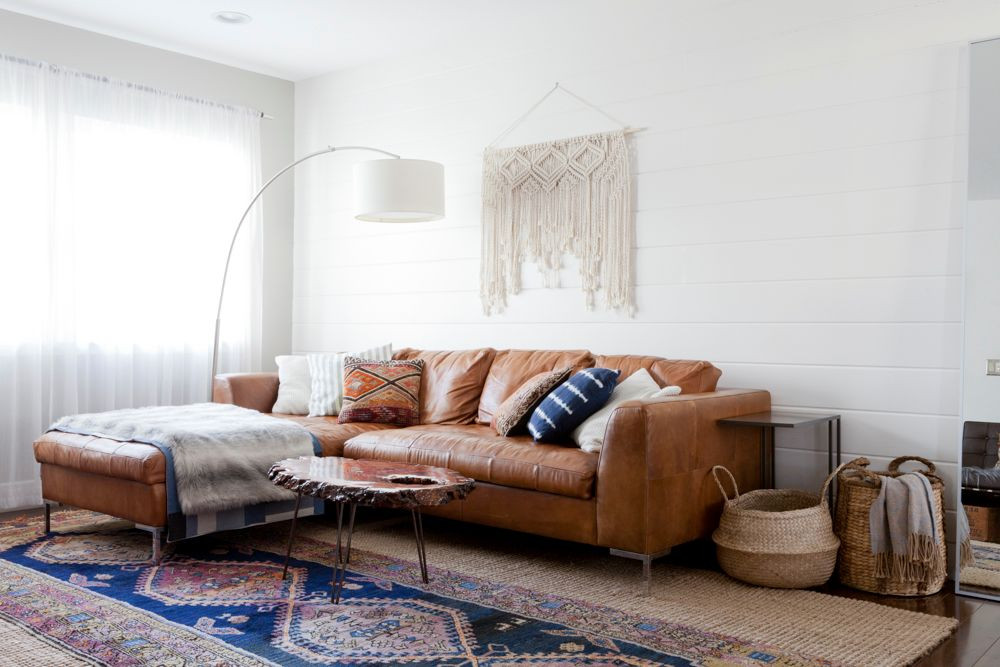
(291, 535)
(418, 530)
(334, 593)
(340, 566)
(350, 533)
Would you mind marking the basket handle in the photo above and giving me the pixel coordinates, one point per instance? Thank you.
(736, 489)
(860, 465)
(829, 478)
(896, 462)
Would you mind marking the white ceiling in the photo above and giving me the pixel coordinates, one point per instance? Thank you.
(297, 39)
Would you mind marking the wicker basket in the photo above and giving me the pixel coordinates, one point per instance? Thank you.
(858, 489)
(776, 537)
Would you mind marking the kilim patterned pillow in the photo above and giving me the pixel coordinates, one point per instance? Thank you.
(382, 392)
(512, 415)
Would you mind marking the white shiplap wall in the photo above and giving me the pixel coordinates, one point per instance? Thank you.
(800, 190)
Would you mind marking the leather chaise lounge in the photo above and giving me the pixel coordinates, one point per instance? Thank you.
(648, 490)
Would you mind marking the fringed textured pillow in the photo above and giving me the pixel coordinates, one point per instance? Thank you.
(382, 392)
(512, 415)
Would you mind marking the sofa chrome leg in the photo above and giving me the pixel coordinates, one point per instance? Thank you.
(647, 565)
(157, 554)
(157, 534)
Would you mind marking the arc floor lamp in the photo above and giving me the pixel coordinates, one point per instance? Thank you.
(385, 190)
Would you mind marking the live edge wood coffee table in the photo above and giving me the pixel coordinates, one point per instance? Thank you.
(353, 482)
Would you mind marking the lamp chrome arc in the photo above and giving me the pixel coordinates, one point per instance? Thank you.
(239, 226)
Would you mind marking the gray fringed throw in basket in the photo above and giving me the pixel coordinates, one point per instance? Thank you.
(904, 538)
(858, 490)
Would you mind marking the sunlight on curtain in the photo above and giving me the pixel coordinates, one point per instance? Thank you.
(116, 207)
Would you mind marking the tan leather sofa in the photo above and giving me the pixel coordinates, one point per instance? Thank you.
(649, 489)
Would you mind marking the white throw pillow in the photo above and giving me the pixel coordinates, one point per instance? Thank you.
(640, 385)
(669, 390)
(326, 372)
(294, 385)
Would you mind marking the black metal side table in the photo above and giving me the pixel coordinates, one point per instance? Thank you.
(767, 422)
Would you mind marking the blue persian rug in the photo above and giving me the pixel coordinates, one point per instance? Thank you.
(220, 600)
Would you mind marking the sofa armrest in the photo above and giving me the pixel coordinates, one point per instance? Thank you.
(654, 484)
(257, 391)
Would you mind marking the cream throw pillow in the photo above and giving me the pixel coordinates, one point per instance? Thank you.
(326, 373)
(294, 385)
(640, 385)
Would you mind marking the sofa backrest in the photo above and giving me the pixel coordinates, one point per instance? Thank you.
(451, 384)
(512, 368)
(693, 377)
(467, 386)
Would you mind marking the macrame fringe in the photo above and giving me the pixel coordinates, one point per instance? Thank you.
(543, 201)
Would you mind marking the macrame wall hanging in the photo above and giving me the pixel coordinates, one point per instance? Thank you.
(569, 196)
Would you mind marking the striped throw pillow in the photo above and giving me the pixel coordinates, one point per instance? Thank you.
(326, 376)
(569, 404)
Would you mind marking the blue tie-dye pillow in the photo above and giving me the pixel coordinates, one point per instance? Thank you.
(570, 403)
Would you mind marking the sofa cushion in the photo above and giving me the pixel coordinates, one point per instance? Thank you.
(478, 452)
(133, 461)
(512, 368)
(693, 377)
(331, 434)
(452, 383)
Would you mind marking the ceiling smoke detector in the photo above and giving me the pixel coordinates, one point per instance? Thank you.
(232, 18)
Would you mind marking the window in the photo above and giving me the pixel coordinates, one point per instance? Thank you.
(117, 203)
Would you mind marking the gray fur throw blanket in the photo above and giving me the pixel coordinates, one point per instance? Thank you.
(217, 454)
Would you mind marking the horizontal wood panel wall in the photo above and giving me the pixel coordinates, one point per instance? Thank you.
(800, 190)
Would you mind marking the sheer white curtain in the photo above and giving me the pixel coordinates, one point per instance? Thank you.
(116, 207)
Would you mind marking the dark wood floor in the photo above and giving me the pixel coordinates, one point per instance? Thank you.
(976, 642)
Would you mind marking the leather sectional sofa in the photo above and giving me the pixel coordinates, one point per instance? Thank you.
(649, 488)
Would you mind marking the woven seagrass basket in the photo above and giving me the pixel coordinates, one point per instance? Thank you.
(858, 488)
(780, 538)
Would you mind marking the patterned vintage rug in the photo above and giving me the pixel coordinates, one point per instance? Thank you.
(985, 571)
(86, 595)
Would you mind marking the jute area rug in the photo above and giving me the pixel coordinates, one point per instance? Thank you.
(840, 630)
(985, 571)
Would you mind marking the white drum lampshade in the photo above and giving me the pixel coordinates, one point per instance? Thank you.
(398, 190)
